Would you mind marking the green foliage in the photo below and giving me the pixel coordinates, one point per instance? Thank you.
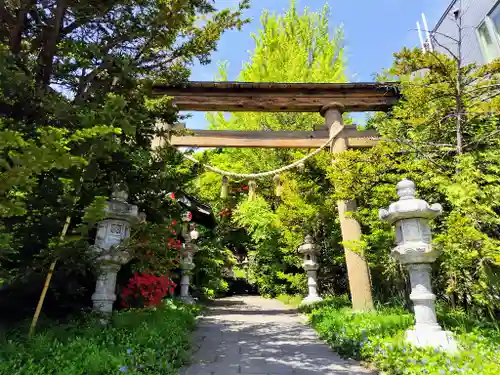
(291, 47)
(331, 302)
(77, 115)
(149, 341)
(378, 337)
(155, 248)
(212, 261)
(258, 217)
(93, 214)
(445, 138)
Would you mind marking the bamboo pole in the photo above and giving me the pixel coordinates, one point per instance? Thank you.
(47, 282)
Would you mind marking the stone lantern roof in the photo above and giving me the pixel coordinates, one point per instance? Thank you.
(408, 206)
(308, 247)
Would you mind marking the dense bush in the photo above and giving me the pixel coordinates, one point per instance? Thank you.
(212, 260)
(150, 341)
(378, 337)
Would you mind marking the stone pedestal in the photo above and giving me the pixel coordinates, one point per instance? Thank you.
(104, 295)
(187, 266)
(310, 252)
(414, 250)
(110, 234)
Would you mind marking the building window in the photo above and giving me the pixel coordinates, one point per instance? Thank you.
(489, 35)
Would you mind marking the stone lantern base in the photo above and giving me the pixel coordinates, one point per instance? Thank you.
(434, 339)
(188, 300)
(185, 296)
(310, 300)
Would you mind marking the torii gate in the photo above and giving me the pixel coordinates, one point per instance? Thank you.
(330, 99)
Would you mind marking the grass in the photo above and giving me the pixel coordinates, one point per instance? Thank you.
(331, 301)
(379, 338)
(146, 341)
(293, 301)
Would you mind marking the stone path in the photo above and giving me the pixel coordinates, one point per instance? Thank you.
(254, 335)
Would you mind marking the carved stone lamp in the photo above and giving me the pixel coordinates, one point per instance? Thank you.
(414, 250)
(119, 216)
(188, 250)
(310, 264)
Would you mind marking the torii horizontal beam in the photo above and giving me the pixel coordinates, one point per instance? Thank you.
(271, 139)
(279, 97)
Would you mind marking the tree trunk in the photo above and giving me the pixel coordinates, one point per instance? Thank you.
(50, 38)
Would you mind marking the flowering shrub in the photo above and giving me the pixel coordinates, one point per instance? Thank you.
(379, 338)
(226, 211)
(187, 216)
(155, 247)
(146, 290)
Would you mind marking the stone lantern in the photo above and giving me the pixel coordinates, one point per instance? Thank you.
(414, 250)
(310, 252)
(119, 215)
(188, 250)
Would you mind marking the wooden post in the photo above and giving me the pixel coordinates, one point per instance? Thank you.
(357, 267)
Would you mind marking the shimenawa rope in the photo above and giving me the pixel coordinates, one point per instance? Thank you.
(261, 174)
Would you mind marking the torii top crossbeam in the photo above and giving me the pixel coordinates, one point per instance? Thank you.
(279, 97)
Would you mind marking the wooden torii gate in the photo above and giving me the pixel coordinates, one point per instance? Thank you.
(330, 99)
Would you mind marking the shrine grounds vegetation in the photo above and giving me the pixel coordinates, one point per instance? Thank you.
(149, 341)
(60, 156)
(76, 118)
(62, 150)
(378, 339)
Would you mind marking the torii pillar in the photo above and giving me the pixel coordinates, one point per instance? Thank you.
(357, 267)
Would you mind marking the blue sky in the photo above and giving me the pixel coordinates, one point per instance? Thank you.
(374, 29)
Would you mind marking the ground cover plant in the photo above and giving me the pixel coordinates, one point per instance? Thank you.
(146, 341)
(378, 338)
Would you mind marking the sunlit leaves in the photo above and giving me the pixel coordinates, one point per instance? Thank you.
(290, 47)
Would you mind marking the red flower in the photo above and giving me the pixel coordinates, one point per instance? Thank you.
(172, 196)
(174, 222)
(244, 188)
(147, 287)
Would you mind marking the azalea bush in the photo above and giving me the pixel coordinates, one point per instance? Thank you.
(156, 247)
(146, 290)
(379, 338)
(150, 341)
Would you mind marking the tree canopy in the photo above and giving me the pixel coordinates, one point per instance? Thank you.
(76, 119)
